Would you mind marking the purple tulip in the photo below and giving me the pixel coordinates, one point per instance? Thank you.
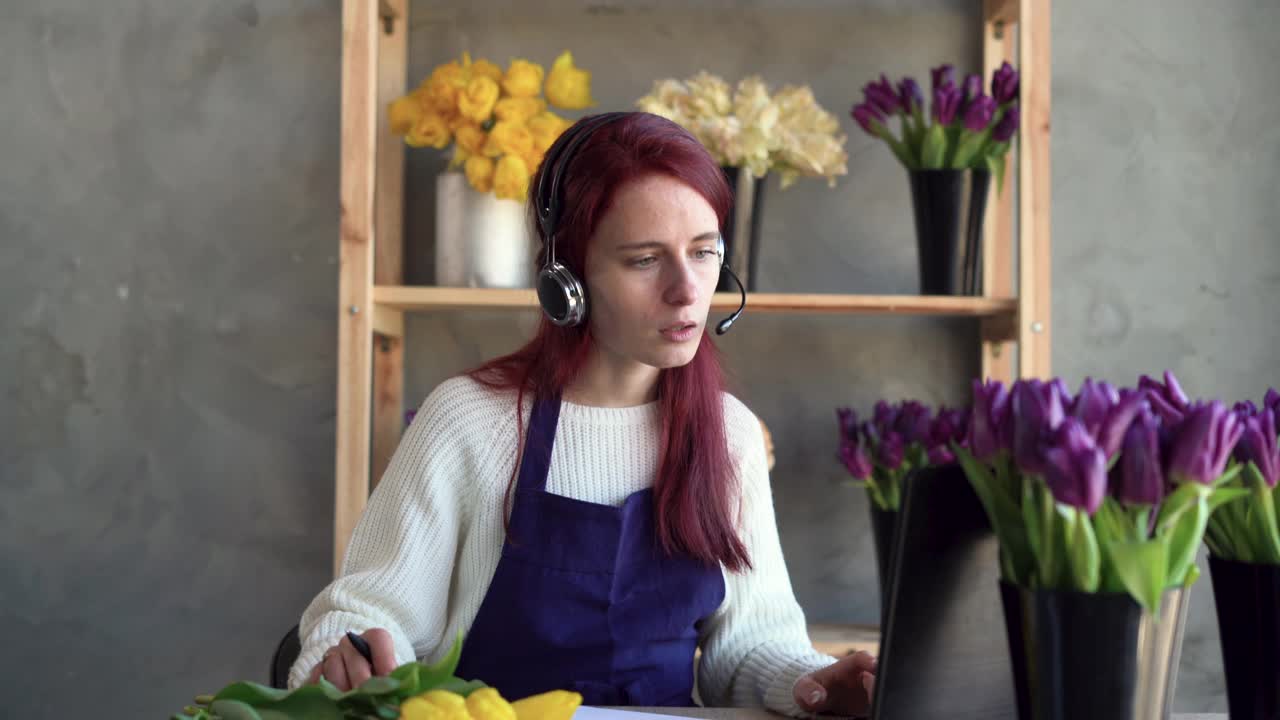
(855, 459)
(1007, 127)
(881, 96)
(909, 95)
(979, 113)
(972, 88)
(987, 416)
(1093, 403)
(1201, 443)
(1037, 413)
(869, 118)
(1119, 417)
(1074, 467)
(941, 455)
(912, 422)
(947, 425)
(892, 451)
(1140, 479)
(1004, 84)
(848, 419)
(1272, 403)
(946, 103)
(943, 75)
(1258, 445)
(1166, 397)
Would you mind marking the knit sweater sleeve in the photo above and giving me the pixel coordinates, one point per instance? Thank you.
(396, 572)
(756, 646)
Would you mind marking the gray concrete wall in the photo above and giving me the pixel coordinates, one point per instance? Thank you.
(167, 240)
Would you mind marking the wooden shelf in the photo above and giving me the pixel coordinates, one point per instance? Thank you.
(419, 298)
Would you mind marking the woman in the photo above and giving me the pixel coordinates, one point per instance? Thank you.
(638, 524)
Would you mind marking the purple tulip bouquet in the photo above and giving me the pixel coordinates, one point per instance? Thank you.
(898, 439)
(1107, 490)
(964, 128)
(1246, 531)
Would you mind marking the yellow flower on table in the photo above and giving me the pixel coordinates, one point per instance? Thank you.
(405, 112)
(511, 178)
(523, 79)
(431, 130)
(508, 138)
(443, 87)
(477, 102)
(518, 110)
(568, 87)
(479, 170)
(484, 68)
(470, 137)
(487, 704)
(545, 128)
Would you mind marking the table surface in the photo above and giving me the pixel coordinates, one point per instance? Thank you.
(759, 714)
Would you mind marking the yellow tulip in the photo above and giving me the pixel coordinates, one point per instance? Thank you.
(476, 102)
(403, 113)
(484, 68)
(479, 171)
(431, 130)
(568, 87)
(532, 159)
(523, 79)
(508, 138)
(554, 705)
(518, 109)
(451, 706)
(470, 137)
(487, 704)
(443, 87)
(511, 178)
(545, 128)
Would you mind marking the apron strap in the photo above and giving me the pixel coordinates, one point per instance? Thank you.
(536, 460)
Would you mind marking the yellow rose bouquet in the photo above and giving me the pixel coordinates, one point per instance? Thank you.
(749, 126)
(497, 120)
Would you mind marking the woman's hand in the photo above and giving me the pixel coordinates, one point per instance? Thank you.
(843, 688)
(343, 665)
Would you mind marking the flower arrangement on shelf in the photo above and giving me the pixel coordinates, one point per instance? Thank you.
(497, 120)
(963, 128)
(748, 126)
(898, 439)
(1107, 490)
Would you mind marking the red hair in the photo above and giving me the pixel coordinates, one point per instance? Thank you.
(696, 491)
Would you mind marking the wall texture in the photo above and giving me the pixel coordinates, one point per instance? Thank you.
(167, 268)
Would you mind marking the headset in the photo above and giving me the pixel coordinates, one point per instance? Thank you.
(561, 294)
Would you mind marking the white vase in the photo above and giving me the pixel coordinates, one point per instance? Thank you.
(481, 240)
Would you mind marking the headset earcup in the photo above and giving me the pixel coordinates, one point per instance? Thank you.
(561, 295)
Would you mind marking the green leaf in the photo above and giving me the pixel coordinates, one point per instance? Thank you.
(251, 693)
(1267, 535)
(1141, 567)
(460, 686)
(1032, 519)
(1052, 541)
(1184, 538)
(380, 685)
(1176, 503)
(234, 710)
(1086, 560)
(995, 164)
(934, 148)
(1005, 518)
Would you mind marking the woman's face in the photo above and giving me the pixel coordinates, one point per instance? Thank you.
(651, 270)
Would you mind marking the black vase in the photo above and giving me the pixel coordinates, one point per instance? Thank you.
(883, 525)
(1248, 600)
(742, 228)
(1093, 655)
(942, 656)
(949, 206)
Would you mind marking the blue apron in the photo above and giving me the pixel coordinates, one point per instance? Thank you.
(585, 599)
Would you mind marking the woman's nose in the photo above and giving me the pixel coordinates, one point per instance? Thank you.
(681, 285)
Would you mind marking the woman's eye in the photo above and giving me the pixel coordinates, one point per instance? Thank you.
(644, 261)
(706, 254)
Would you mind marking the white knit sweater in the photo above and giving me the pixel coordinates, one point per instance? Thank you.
(423, 554)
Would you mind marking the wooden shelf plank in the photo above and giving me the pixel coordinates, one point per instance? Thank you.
(411, 298)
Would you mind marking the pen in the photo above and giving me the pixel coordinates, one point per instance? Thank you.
(361, 646)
